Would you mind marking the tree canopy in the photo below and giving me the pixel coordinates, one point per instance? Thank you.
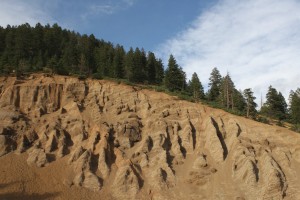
(214, 85)
(25, 49)
(175, 78)
(275, 105)
(250, 103)
(294, 109)
(196, 87)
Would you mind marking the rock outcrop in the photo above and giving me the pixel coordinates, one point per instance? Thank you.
(140, 144)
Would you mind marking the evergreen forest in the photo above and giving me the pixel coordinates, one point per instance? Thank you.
(50, 49)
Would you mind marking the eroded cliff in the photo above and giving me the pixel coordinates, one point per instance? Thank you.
(109, 140)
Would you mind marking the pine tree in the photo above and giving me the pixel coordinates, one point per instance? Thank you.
(104, 56)
(196, 87)
(70, 55)
(227, 90)
(53, 41)
(23, 47)
(175, 78)
(38, 47)
(9, 62)
(53, 64)
(155, 69)
(239, 102)
(86, 49)
(151, 68)
(139, 69)
(118, 62)
(250, 103)
(2, 38)
(214, 85)
(129, 64)
(294, 108)
(159, 72)
(275, 105)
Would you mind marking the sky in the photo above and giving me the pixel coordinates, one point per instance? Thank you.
(257, 42)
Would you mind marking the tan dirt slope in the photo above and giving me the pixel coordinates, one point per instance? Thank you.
(61, 138)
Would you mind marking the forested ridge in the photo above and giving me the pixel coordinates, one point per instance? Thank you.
(26, 49)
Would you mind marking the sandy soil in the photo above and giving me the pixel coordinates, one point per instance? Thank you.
(61, 138)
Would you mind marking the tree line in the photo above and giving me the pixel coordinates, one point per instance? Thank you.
(50, 48)
(28, 49)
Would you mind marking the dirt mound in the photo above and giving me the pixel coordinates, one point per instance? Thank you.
(61, 138)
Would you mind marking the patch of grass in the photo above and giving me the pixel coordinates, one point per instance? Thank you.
(82, 77)
(263, 119)
(97, 76)
(296, 128)
(280, 123)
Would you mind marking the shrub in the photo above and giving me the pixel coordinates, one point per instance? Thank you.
(280, 123)
(263, 120)
(82, 77)
(296, 128)
(97, 76)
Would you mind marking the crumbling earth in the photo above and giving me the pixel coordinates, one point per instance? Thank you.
(64, 138)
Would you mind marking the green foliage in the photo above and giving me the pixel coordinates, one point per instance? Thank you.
(294, 108)
(275, 106)
(97, 76)
(82, 77)
(250, 103)
(263, 119)
(228, 97)
(47, 70)
(159, 88)
(119, 62)
(175, 78)
(196, 87)
(29, 49)
(296, 128)
(51, 49)
(226, 92)
(214, 85)
(159, 72)
(129, 65)
(239, 102)
(280, 123)
(183, 95)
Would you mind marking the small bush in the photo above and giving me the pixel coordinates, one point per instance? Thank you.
(62, 71)
(82, 77)
(159, 89)
(47, 70)
(263, 120)
(184, 96)
(97, 76)
(296, 128)
(280, 123)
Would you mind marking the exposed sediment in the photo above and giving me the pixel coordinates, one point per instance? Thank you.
(141, 144)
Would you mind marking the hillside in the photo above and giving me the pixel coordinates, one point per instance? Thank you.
(61, 138)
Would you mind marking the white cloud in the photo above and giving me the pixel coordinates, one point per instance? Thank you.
(16, 12)
(256, 41)
(129, 2)
(107, 7)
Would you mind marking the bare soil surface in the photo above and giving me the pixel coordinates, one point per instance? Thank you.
(61, 138)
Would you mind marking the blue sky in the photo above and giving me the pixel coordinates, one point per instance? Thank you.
(131, 23)
(256, 41)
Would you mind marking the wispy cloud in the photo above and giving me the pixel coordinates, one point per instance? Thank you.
(107, 7)
(256, 41)
(66, 13)
(129, 2)
(16, 12)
